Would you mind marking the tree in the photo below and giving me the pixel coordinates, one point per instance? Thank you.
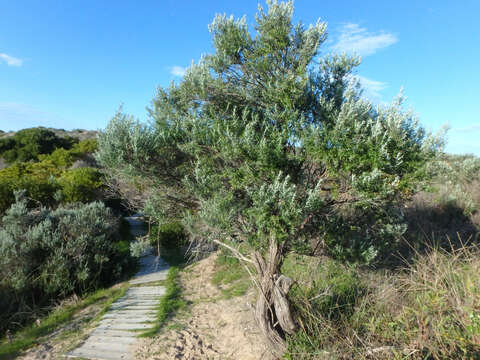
(264, 148)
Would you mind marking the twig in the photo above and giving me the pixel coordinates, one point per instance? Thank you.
(237, 253)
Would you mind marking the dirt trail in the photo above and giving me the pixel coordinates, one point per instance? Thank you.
(213, 328)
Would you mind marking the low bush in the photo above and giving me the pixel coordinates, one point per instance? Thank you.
(35, 179)
(169, 235)
(46, 255)
(81, 184)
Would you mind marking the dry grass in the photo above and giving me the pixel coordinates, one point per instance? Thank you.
(65, 321)
(442, 313)
(430, 310)
(446, 216)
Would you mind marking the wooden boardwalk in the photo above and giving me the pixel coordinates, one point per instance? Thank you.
(116, 334)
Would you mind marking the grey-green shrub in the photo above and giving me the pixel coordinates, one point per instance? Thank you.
(46, 255)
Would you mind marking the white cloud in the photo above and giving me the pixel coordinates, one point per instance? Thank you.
(354, 39)
(178, 70)
(10, 60)
(371, 88)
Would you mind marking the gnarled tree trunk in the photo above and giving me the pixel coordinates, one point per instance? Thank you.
(272, 309)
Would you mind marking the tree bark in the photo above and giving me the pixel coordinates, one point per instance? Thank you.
(272, 310)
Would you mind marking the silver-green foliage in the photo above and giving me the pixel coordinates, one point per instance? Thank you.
(48, 254)
(264, 139)
(129, 141)
(455, 168)
(455, 178)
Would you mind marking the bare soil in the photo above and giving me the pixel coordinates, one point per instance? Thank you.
(212, 327)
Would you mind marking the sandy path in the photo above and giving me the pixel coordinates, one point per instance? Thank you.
(213, 328)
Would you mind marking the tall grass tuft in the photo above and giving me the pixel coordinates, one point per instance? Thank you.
(429, 310)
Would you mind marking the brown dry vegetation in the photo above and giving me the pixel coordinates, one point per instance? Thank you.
(423, 303)
(445, 212)
(426, 311)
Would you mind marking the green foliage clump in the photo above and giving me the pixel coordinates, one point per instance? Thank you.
(63, 158)
(46, 255)
(170, 235)
(88, 146)
(52, 180)
(28, 144)
(80, 185)
(35, 178)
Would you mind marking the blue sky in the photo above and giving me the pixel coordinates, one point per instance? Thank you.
(70, 64)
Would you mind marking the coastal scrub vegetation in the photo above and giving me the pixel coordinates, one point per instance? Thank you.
(47, 255)
(358, 232)
(52, 170)
(59, 234)
(268, 149)
(29, 144)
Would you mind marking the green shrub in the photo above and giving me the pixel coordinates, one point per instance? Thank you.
(170, 235)
(36, 179)
(28, 144)
(84, 147)
(43, 179)
(64, 158)
(46, 255)
(60, 158)
(81, 185)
